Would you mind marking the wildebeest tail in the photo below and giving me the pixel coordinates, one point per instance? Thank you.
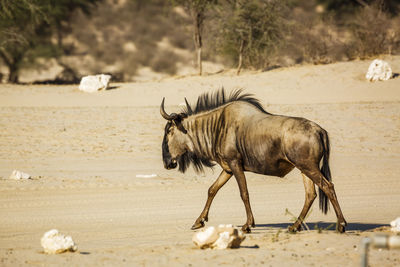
(323, 198)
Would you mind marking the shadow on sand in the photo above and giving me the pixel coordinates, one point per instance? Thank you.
(324, 225)
(113, 87)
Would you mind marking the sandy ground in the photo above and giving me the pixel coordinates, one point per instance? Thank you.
(85, 150)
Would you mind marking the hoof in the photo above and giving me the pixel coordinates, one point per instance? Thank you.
(246, 228)
(197, 225)
(294, 229)
(341, 227)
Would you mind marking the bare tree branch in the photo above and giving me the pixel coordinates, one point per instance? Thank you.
(362, 2)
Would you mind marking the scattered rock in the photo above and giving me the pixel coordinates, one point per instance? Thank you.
(395, 225)
(222, 237)
(54, 242)
(153, 175)
(206, 237)
(94, 83)
(379, 70)
(18, 175)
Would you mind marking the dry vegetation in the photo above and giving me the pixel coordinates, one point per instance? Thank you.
(303, 32)
(121, 37)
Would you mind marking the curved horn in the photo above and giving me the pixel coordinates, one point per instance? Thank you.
(163, 113)
(188, 106)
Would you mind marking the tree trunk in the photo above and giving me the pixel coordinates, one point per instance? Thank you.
(13, 76)
(240, 57)
(198, 18)
(12, 61)
(199, 61)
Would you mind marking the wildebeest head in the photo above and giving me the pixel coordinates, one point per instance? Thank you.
(176, 142)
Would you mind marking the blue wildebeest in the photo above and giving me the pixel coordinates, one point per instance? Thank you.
(238, 134)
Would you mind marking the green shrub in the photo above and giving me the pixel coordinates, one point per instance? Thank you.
(252, 31)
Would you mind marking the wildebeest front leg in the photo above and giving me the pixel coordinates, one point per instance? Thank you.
(241, 180)
(212, 191)
(309, 188)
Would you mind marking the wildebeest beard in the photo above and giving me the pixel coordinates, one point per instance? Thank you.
(198, 162)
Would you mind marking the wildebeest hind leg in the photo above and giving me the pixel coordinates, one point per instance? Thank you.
(212, 191)
(309, 188)
(328, 188)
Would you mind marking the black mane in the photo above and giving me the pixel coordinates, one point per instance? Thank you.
(188, 158)
(209, 101)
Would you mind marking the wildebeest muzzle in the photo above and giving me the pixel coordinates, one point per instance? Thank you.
(169, 162)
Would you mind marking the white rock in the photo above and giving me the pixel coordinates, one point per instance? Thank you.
(153, 175)
(18, 175)
(379, 70)
(206, 237)
(229, 237)
(223, 241)
(225, 236)
(54, 242)
(395, 225)
(224, 227)
(94, 83)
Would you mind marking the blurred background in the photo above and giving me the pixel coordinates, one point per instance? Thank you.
(59, 41)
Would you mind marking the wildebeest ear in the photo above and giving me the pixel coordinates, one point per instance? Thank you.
(189, 108)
